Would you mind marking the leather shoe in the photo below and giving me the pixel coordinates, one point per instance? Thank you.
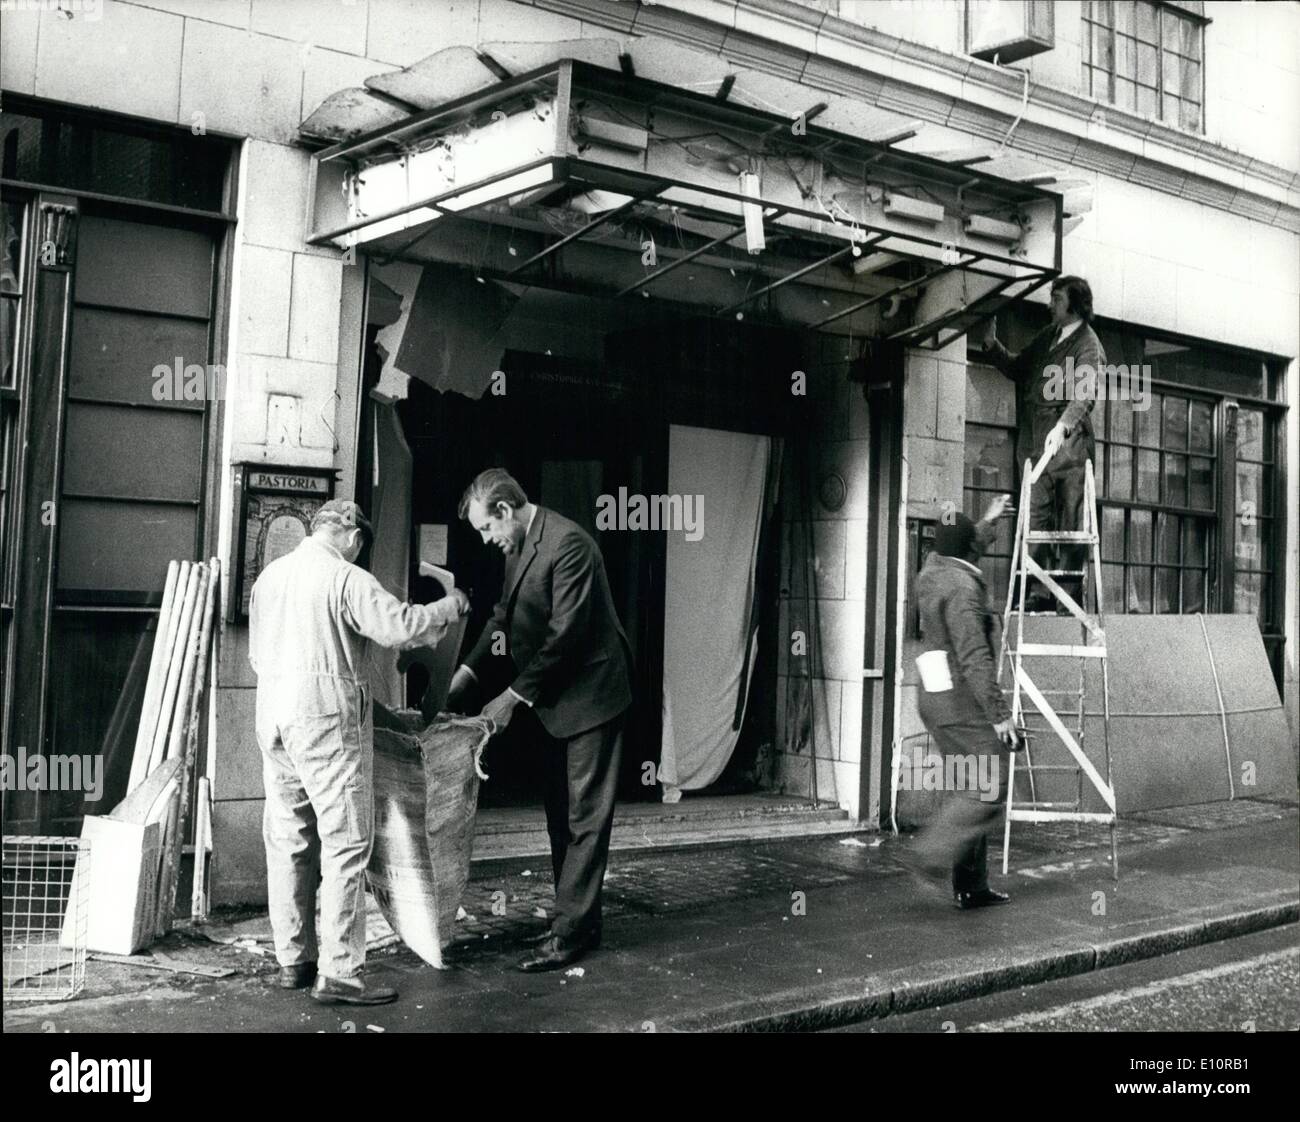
(984, 898)
(335, 991)
(296, 977)
(554, 954)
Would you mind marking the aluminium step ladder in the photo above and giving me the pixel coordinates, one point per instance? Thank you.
(1018, 655)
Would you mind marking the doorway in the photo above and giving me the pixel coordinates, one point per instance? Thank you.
(572, 428)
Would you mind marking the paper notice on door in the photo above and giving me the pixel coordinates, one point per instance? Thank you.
(933, 668)
(433, 542)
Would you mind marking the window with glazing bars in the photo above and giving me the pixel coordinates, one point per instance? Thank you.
(1158, 506)
(1147, 58)
(1256, 517)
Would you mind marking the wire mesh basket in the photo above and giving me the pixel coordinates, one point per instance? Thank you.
(46, 911)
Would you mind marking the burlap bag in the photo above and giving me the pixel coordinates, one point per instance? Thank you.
(426, 796)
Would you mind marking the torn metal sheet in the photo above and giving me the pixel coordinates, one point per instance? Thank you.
(348, 114)
(443, 76)
(520, 57)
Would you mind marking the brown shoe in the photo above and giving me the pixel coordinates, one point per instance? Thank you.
(296, 977)
(353, 991)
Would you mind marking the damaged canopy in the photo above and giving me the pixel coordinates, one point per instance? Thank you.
(582, 175)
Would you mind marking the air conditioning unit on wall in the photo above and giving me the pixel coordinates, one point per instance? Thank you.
(1009, 30)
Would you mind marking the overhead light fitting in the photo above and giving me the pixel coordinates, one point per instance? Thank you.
(875, 262)
(914, 210)
(991, 229)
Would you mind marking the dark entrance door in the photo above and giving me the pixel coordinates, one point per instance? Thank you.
(564, 447)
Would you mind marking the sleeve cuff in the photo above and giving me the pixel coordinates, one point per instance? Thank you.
(468, 670)
(518, 696)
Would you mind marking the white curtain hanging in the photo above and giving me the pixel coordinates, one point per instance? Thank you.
(708, 637)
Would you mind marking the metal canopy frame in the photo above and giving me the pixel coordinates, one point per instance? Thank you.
(547, 115)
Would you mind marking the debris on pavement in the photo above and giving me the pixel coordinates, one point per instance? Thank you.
(159, 961)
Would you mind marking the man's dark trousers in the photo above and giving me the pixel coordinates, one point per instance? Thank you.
(581, 784)
(1056, 503)
(958, 833)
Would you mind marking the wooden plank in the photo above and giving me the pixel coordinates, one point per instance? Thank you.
(167, 705)
(189, 655)
(185, 743)
(140, 758)
(202, 844)
(176, 741)
(164, 643)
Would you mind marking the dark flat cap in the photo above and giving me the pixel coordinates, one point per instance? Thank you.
(954, 536)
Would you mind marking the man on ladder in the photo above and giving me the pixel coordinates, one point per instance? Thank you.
(1061, 375)
(1057, 374)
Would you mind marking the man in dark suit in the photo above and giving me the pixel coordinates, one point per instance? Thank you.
(1057, 375)
(554, 636)
(962, 705)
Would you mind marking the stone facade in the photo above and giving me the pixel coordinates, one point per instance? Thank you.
(1196, 234)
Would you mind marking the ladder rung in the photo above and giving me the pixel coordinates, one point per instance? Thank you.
(1051, 767)
(1058, 650)
(1049, 806)
(1054, 573)
(1080, 536)
(1025, 814)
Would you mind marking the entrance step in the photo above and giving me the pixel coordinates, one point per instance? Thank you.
(503, 837)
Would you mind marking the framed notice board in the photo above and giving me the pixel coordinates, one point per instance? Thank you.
(274, 507)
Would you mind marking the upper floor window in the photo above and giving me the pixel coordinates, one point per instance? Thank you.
(1146, 58)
